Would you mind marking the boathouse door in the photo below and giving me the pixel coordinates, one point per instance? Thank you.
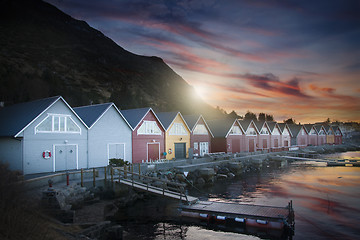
(153, 151)
(236, 145)
(264, 143)
(116, 150)
(180, 150)
(251, 145)
(65, 157)
(204, 148)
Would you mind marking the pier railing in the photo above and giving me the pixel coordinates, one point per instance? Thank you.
(150, 184)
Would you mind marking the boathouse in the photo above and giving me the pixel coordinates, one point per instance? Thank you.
(313, 134)
(251, 135)
(228, 135)
(275, 136)
(330, 135)
(41, 136)
(285, 135)
(338, 135)
(321, 134)
(299, 135)
(109, 134)
(148, 135)
(177, 135)
(264, 136)
(201, 135)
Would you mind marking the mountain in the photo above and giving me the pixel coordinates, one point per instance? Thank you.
(45, 52)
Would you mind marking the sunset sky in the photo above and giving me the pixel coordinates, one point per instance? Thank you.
(298, 59)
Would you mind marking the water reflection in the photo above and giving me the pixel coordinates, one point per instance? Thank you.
(325, 199)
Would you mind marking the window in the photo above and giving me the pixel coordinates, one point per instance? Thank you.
(321, 132)
(302, 131)
(196, 146)
(286, 132)
(149, 127)
(251, 131)
(313, 132)
(57, 123)
(177, 129)
(200, 129)
(264, 131)
(235, 130)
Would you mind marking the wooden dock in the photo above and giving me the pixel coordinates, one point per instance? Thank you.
(278, 218)
(329, 162)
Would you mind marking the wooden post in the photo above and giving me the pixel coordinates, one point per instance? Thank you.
(105, 173)
(94, 176)
(112, 174)
(139, 171)
(82, 177)
(119, 175)
(125, 174)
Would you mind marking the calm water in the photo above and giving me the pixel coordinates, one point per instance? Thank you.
(326, 201)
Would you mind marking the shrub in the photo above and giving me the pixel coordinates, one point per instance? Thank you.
(118, 162)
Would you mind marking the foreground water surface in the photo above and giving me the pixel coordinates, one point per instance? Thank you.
(325, 200)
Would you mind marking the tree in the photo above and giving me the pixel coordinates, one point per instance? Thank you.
(261, 117)
(290, 121)
(250, 116)
(269, 118)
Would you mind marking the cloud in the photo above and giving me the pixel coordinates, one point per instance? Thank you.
(321, 90)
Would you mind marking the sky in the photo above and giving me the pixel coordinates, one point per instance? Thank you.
(289, 58)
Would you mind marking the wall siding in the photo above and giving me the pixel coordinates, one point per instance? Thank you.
(111, 128)
(139, 142)
(170, 140)
(35, 144)
(200, 138)
(11, 153)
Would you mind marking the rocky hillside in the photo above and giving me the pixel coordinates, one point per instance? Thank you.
(45, 52)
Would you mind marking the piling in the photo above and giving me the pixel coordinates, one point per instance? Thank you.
(82, 177)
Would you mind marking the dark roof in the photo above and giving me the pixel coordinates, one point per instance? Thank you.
(15, 118)
(271, 125)
(90, 114)
(166, 118)
(245, 123)
(191, 120)
(295, 129)
(318, 127)
(221, 127)
(308, 127)
(259, 124)
(134, 116)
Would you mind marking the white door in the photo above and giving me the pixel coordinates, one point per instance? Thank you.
(204, 148)
(116, 150)
(65, 157)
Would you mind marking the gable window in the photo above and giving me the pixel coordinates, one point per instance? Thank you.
(302, 131)
(149, 127)
(264, 131)
(313, 132)
(321, 132)
(57, 123)
(177, 129)
(286, 132)
(251, 131)
(200, 129)
(235, 130)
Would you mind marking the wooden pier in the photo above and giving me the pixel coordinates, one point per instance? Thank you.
(329, 162)
(278, 218)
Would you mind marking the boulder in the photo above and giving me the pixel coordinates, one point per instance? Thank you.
(230, 175)
(206, 173)
(221, 177)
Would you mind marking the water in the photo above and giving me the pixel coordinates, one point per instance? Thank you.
(325, 200)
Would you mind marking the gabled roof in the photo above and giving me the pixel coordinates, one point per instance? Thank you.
(135, 116)
(272, 125)
(167, 118)
(245, 124)
(327, 128)
(318, 128)
(296, 128)
(309, 126)
(337, 128)
(92, 113)
(260, 124)
(282, 127)
(16, 118)
(221, 127)
(192, 121)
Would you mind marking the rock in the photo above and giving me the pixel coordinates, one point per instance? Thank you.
(235, 167)
(200, 181)
(223, 170)
(206, 173)
(221, 177)
(230, 175)
(180, 177)
(113, 233)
